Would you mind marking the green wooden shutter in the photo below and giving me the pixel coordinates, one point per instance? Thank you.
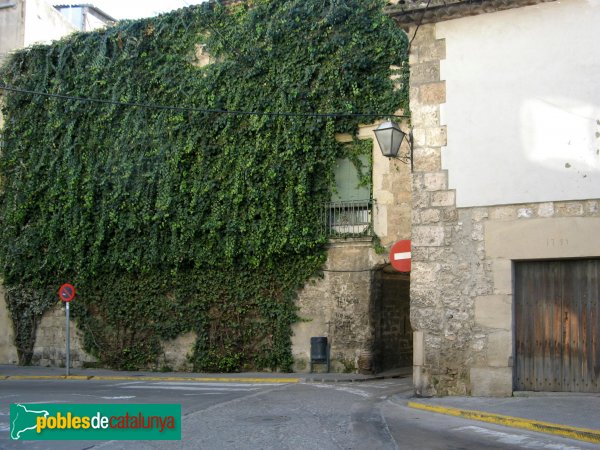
(347, 181)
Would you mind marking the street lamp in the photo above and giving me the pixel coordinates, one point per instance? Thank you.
(389, 137)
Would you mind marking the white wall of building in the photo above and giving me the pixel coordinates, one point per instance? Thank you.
(523, 104)
(11, 27)
(43, 23)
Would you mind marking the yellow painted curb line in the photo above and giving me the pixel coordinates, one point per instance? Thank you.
(582, 434)
(201, 379)
(142, 378)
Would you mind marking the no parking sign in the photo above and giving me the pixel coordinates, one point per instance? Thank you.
(66, 292)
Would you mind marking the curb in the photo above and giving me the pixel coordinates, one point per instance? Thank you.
(581, 434)
(142, 378)
(352, 380)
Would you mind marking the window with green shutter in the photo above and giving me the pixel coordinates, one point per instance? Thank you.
(349, 212)
(347, 181)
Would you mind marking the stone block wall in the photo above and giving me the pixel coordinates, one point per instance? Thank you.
(50, 341)
(461, 280)
(440, 313)
(8, 351)
(337, 307)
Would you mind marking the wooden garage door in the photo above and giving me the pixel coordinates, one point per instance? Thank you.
(557, 326)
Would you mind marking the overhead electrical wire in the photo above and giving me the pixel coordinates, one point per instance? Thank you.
(197, 110)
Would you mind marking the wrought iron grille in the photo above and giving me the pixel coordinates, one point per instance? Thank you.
(348, 218)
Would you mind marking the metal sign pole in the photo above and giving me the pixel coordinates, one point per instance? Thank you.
(68, 362)
(66, 293)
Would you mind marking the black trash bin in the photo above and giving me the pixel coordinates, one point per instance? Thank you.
(319, 352)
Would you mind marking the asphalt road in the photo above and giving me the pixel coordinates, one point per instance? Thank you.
(369, 415)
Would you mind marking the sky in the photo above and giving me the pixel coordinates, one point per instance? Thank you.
(136, 9)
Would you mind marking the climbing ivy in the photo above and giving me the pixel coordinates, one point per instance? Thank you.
(175, 220)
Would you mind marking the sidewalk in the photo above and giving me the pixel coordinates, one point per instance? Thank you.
(571, 415)
(15, 372)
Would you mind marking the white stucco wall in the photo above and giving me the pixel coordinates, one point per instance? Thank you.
(43, 23)
(523, 104)
(11, 27)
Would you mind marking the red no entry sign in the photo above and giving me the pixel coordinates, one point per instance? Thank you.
(400, 256)
(66, 292)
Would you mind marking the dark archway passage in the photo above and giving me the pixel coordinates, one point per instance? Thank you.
(390, 314)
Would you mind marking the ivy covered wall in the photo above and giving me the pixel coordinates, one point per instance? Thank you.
(181, 219)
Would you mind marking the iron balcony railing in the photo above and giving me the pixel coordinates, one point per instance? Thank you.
(348, 219)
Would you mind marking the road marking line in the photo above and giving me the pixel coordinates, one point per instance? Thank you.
(343, 389)
(229, 385)
(121, 397)
(202, 393)
(582, 434)
(44, 402)
(192, 388)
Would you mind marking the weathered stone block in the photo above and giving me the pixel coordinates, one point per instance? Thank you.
(568, 209)
(491, 382)
(443, 198)
(502, 276)
(503, 213)
(426, 72)
(543, 238)
(420, 200)
(418, 349)
(419, 137)
(525, 213)
(545, 209)
(499, 349)
(426, 319)
(421, 381)
(429, 216)
(380, 221)
(427, 159)
(494, 311)
(432, 93)
(449, 214)
(477, 232)
(428, 236)
(436, 136)
(423, 36)
(432, 51)
(436, 181)
(479, 214)
(425, 116)
(385, 198)
(404, 196)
